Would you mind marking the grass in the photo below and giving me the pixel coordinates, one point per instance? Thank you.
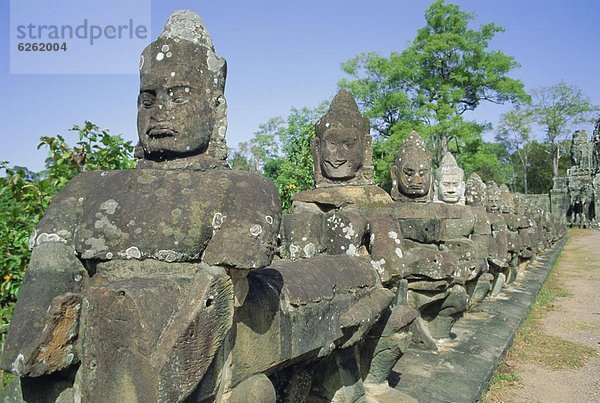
(533, 345)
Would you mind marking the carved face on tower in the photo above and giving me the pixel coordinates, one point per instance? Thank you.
(181, 89)
(341, 141)
(475, 191)
(411, 172)
(449, 181)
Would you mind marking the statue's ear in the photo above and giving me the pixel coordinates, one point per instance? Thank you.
(138, 151)
(394, 171)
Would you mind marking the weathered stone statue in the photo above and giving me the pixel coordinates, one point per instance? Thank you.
(582, 151)
(475, 192)
(499, 255)
(135, 274)
(475, 198)
(342, 148)
(526, 229)
(181, 106)
(343, 215)
(346, 218)
(513, 224)
(411, 172)
(449, 183)
(575, 197)
(342, 161)
(440, 257)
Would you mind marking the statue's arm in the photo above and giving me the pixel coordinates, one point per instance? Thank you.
(245, 236)
(44, 324)
(43, 334)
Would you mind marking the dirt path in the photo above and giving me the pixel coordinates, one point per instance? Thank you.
(557, 359)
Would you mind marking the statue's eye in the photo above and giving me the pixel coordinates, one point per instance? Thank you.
(180, 100)
(409, 172)
(146, 99)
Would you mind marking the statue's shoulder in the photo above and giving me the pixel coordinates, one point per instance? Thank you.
(346, 197)
(64, 212)
(172, 215)
(428, 211)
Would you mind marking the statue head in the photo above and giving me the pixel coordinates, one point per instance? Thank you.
(475, 192)
(181, 104)
(507, 204)
(342, 146)
(520, 203)
(580, 137)
(449, 181)
(492, 200)
(411, 171)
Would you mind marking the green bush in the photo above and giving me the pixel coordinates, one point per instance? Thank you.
(25, 195)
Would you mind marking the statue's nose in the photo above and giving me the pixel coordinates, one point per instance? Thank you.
(161, 111)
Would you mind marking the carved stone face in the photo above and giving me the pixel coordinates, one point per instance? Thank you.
(175, 113)
(413, 177)
(519, 202)
(411, 172)
(341, 141)
(450, 187)
(475, 193)
(449, 180)
(342, 152)
(507, 204)
(493, 200)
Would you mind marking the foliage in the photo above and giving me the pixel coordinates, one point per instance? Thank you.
(489, 160)
(240, 160)
(447, 71)
(539, 169)
(25, 195)
(280, 150)
(556, 109)
(514, 132)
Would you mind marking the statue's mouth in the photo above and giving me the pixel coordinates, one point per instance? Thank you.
(337, 163)
(160, 132)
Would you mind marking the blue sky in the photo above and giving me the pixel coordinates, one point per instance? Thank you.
(282, 54)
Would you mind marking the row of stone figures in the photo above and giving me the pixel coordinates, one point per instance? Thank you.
(181, 280)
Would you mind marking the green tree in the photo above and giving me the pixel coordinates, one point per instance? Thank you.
(514, 132)
(489, 160)
(556, 109)
(447, 71)
(540, 168)
(282, 147)
(240, 159)
(25, 195)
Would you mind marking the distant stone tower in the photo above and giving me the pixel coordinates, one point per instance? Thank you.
(576, 196)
